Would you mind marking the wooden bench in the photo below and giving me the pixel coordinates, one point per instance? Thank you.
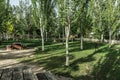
(46, 76)
(17, 46)
(17, 73)
(24, 73)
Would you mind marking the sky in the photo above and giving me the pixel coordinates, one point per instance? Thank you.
(14, 2)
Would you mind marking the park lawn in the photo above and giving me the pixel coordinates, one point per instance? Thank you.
(87, 64)
(103, 63)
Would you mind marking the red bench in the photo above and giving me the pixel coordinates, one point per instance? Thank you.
(17, 46)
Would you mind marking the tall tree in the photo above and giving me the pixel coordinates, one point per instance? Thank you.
(112, 17)
(2, 14)
(82, 18)
(64, 8)
(67, 29)
(41, 13)
(7, 26)
(104, 14)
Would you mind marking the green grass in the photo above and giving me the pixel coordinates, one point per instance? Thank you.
(27, 43)
(87, 64)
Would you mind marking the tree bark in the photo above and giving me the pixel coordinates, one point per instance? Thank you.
(13, 37)
(46, 36)
(102, 37)
(42, 36)
(63, 36)
(59, 36)
(81, 40)
(6, 36)
(67, 47)
(67, 31)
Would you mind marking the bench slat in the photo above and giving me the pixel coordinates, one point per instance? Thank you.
(7, 74)
(17, 74)
(1, 72)
(28, 75)
(50, 76)
(41, 76)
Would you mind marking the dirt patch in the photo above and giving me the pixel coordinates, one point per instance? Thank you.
(8, 58)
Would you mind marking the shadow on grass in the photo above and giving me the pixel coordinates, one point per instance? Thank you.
(89, 58)
(107, 68)
(86, 46)
(91, 45)
(53, 62)
(54, 47)
(75, 64)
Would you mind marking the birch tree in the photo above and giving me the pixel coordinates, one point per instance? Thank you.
(112, 17)
(38, 17)
(82, 18)
(42, 10)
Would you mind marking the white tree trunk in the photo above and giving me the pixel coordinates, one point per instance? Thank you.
(81, 40)
(6, 36)
(46, 36)
(13, 37)
(63, 36)
(67, 31)
(42, 36)
(110, 37)
(67, 47)
(102, 37)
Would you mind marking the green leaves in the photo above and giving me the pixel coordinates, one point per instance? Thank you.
(9, 26)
